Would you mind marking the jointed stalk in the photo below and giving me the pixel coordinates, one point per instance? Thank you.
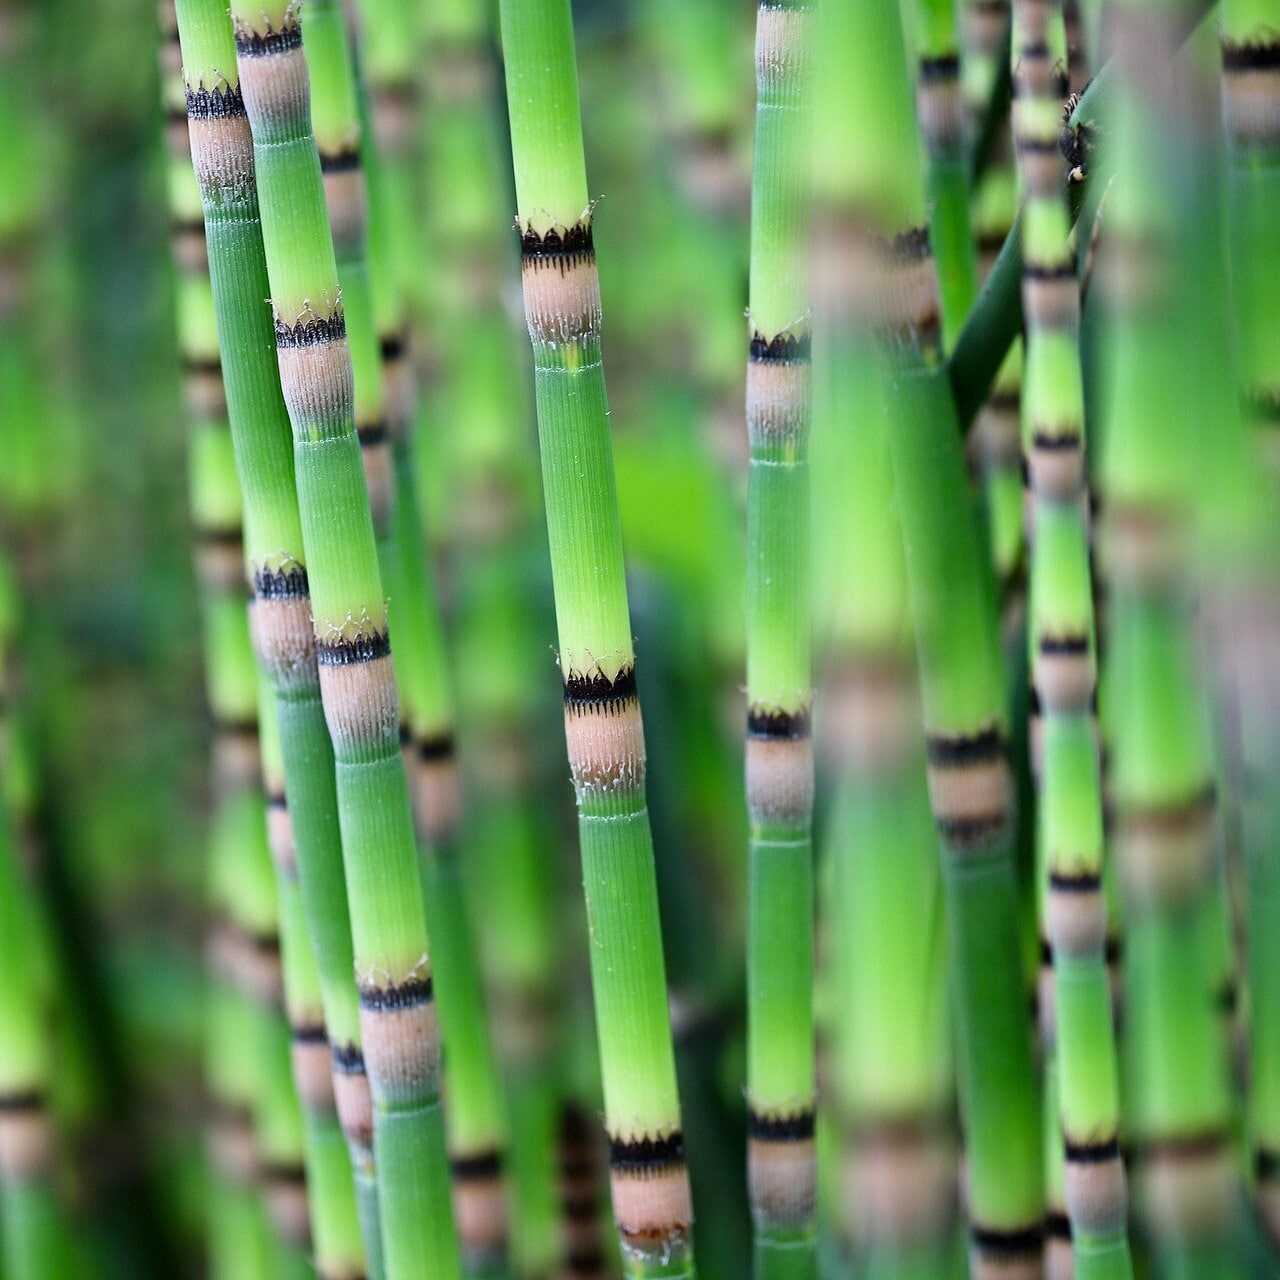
(963, 699)
(1075, 996)
(597, 663)
(400, 1038)
(779, 749)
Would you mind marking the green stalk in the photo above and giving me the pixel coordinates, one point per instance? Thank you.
(1075, 994)
(960, 670)
(1242, 533)
(602, 712)
(1153, 402)
(943, 116)
(399, 1033)
(779, 748)
(275, 556)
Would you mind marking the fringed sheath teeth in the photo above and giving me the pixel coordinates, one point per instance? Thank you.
(782, 1169)
(26, 1136)
(400, 1035)
(561, 283)
(970, 787)
(1006, 1253)
(651, 1201)
(220, 139)
(315, 367)
(1251, 91)
(352, 1095)
(604, 732)
(779, 765)
(480, 1205)
(900, 1183)
(358, 689)
(1096, 1194)
(1188, 1186)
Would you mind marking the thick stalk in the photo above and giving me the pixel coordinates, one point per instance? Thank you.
(970, 784)
(779, 748)
(602, 712)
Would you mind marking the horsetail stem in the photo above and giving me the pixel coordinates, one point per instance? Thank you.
(779, 748)
(1161, 773)
(400, 1039)
(602, 712)
(943, 118)
(963, 701)
(1075, 994)
(275, 556)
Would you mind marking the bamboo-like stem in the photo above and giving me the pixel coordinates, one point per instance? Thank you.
(944, 118)
(399, 1033)
(275, 556)
(886, 250)
(1242, 527)
(602, 712)
(1178, 1105)
(779, 748)
(1075, 1003)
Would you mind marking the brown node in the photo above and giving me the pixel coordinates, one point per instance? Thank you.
(970, 787)
(651, 1201)
(561, 283)
(283, 636)
(284, 848)
(985, 24)
(779, 779)
(1251, 91)
(437, 789)
(315, 370)
(1056, 462)
(900, 1182)
(221, 142)
(1096, 1192)
(1040, 163)
(941, 108)
(352, 1095)
(870, 722)
(782, 1167)
(1051, 295)
(379, 472)
(361, 705)
(1065, 672)
(782, 45)
(26, 1136)
(1165, 850)
(479, 1205)
(312, 1061)
(285, 1191)
(395, 107)
(232, 1147)
(1188, 1186)
(1143, 545)
(220, 561)
(778, 397)
(400, 1035)
(188, 246)
(1076, 913)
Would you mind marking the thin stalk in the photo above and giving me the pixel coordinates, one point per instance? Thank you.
(1075, 994)
(651, 1199)
(970, 783)
(1153, 404)
(944, 119)
(779, 748)
(399, 1031)
(275, 556)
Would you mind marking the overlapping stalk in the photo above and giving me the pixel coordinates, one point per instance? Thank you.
(399, 1034)
(1075, 1001)
(887, 249)
(1243, 521)
(943, 117)
(276, 560)
(890, 1068)
(602, 712)
(779, 747)
(1153, 407)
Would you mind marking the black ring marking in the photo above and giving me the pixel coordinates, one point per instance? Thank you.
(281, 584)
(784, 348)
(391, 346)
(1075, 881)
(22, 1100)
(363, 648)
(372, 434)
(484, 1166)
(278, 1171)
(345, 161)
(440, 747)
(1018, 1243)
(211, 365)
(1099, 1152)
(310, 1033)
(215, 104)
(587, 1262)
(911, 245)
(1067, 646)
(1047, 273)
(348, 1060)
(249, 44)
(312, 331)
(1266, 1164)
(1056, 442)
(1250, 56)
(580, 1208)
(646, 1155)
(277, 800)
(791, 726)
(793, 1128)
(946, 66)
(1057, 1226)
(954, 750)
(401, 995)
(231, 539)
(597, 691)
(969, 833)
